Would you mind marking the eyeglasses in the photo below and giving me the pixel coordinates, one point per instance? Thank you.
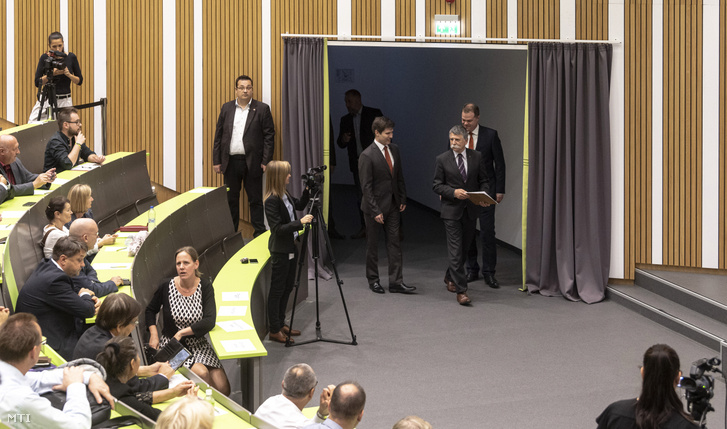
(42, 343)
(74, 122)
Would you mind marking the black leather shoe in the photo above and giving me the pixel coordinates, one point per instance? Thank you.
(472, 277)
(376, 287)
(492, 281)
(402, 288)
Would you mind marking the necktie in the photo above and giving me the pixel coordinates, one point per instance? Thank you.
(388, 159)
(471, 144)
(460, 164)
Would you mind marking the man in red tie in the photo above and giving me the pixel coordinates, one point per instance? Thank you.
(383, 200)
(15, 179)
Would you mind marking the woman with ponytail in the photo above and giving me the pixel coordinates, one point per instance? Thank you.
(121, 362)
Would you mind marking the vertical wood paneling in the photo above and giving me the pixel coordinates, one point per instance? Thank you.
(462, 8)
(638, 139)
(722, 136)
(3, 62)
(134, 80)
(682, 114)
(80, 29)
(592, 20)
(538, 19)
(406, 18)
(497, 18)
(185, 96)
(34, 21)
(366, 18)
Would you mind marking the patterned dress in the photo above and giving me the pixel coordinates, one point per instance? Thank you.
(187, 310)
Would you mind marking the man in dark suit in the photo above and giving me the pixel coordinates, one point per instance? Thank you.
(244, 144)
(355, 134)
(383, 200)
(49, 295)
(15, 179)
(86, 230)
(457, 172)
(487, 142)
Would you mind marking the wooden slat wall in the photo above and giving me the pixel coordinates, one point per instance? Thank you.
(497, 18)
(185, 93)
(80, 29)
(638, 138)
(3, 62)
(406, 18)
(366, 18)
(34, 21)
(722, 136)
(538, 19)
(592, 20)
(682, 112)
(463, 8)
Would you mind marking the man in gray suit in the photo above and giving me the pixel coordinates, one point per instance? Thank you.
(15, 179)
(457, 172)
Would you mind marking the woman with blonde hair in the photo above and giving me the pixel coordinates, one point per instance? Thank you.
(412, 422)
(187, 413)
(280, 209)
(81, 200)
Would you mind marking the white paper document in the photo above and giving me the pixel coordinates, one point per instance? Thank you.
(234, 346)
(41, 191)
(112, 265)
(234, 325)
(235, 296)
(60, 181)
(13, 214)
(6, 227)
(86, 166)
(200, 190)
(176, 379)
(232, 310)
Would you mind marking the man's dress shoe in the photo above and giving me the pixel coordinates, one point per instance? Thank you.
(286, 330)
(376, 287)
(450, 285)
(402, 288)
(472, 277)
(463, 299)
(492, 281)
(279, 337)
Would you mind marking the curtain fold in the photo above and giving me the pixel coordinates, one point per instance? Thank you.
(569, 177)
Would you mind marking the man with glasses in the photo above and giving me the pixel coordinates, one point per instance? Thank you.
(21, 405)
(285, 411)
(86, 230)
(15, 179)
(67, 147)
(243, 146)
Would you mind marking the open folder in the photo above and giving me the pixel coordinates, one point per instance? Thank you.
(480, 196)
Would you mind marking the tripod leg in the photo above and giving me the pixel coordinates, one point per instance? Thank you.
(296, 285)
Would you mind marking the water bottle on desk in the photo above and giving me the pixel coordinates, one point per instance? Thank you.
(152, 223)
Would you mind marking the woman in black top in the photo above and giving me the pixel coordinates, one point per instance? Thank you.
(280, 209)
(658, 406)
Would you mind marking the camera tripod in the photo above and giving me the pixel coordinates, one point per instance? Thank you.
(314, 208)
(48, 93)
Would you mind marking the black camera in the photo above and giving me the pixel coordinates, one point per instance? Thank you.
(314, 178)
(55, 60)
(699, 388)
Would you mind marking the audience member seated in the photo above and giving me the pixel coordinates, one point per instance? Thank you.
(4, 314)
(346, 407)
(15, 179)
(50, 294)
(188, 311)
(81, 200)
(412, 422)
(284, 411)
(117, 316)
(121, 362)
(58, 213)
(20, 390)
(67, 146)
(86, 230)
(658, 405)
(187, 413)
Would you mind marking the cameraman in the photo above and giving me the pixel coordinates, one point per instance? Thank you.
(658, 406)
(62, 77)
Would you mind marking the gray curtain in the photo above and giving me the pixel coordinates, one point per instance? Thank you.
(569, 181)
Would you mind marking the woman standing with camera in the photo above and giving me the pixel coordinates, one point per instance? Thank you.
(280, 209)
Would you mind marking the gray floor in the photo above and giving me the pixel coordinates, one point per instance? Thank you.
(511, 360)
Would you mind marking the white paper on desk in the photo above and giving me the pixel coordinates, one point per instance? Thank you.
(13, 214)
(86, 166)
(234, 325)
(6, 227)
(108, 248)
(234, 346)
(231, 310)
(200, 190)
(235, 296)
(60, 181)
(42, 191)
(176, 379)
(112, 265)
(219, 411)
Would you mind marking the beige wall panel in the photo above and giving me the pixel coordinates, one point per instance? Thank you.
(406, 18)
(80, 29)
(366, 18)
(722, 136)
(463, 8)
(592, 20)
(185, 95)
(538, 19)
(497, 19)
(34, 21)
(3, 62)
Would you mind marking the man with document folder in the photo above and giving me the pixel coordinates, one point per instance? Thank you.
(457, 172)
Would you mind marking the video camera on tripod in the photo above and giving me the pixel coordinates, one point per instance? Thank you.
(55, 60)
(699, 388)
(314, 178)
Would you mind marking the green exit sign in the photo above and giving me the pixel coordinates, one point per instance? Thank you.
(446, 25)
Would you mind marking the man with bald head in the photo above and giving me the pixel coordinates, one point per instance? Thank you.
(86, 230)
(15, 179)
(346, 407)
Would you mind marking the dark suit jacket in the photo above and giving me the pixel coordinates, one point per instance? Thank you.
(447, 178)
(88, 278)
(49, 295)
(383, 191)
(23, 179)
(258, 139)
(488, 144)
(368, 114)
(281, 225)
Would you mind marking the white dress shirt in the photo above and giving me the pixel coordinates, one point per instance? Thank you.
(238, 129)
(381, 149)
(283, 414)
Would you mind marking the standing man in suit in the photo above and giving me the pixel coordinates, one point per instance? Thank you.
(383, 200)
(457, 172)
(244, 144)
(356, 135)
(487, 142)
(49, 295)
(15, 179)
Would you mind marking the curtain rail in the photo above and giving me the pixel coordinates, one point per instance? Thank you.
(444, 38)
